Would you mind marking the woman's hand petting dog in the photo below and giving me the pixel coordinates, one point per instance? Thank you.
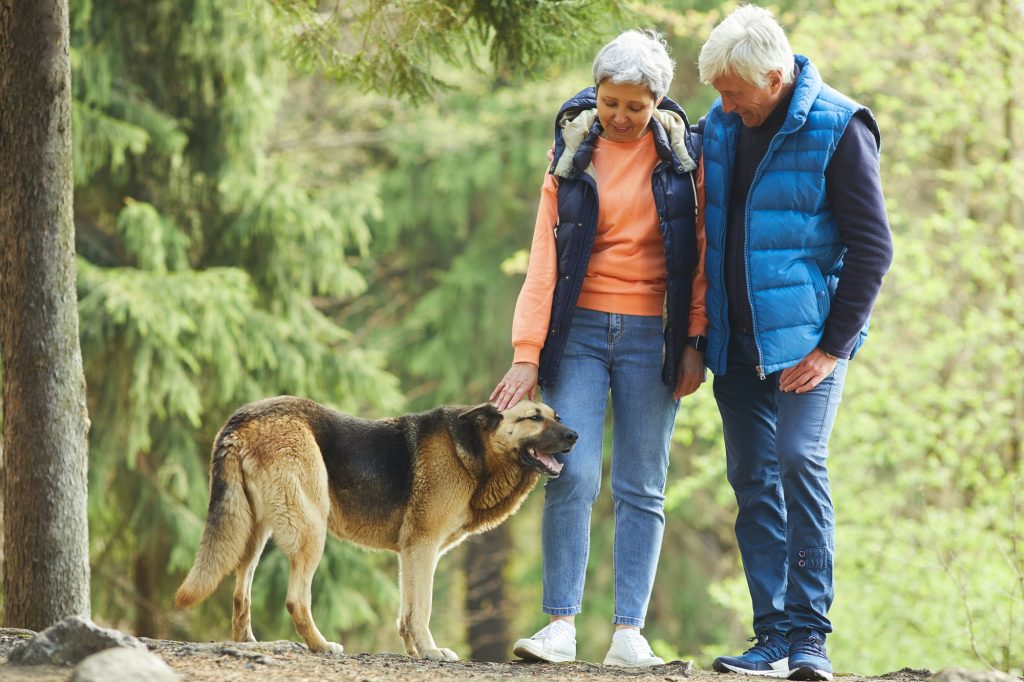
(519, 381)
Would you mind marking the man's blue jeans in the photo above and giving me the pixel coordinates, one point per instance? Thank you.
(776, 444)
(623, 354)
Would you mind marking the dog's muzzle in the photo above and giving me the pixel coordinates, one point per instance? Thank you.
(545, 462)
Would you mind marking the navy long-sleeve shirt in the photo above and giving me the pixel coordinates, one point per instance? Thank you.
(854, 189)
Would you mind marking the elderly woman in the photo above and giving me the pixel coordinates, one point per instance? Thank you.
(612, 302)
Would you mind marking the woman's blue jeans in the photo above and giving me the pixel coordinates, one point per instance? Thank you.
(621, 354)
(776, 444)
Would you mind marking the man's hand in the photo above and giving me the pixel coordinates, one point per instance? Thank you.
(691, 372)
(808, 373)
(519, 381)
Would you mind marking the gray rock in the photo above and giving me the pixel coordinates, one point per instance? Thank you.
(124, 665)
(961, 675)
(68, 642)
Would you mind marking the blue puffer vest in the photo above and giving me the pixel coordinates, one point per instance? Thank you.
(794, 252)
(674, 187)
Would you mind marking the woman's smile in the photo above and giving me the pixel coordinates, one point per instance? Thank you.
(624, 109)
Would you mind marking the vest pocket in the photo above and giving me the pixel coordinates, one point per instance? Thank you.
(821, 294)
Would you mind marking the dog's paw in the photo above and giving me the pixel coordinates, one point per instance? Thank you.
(440, 655)
(331, 648)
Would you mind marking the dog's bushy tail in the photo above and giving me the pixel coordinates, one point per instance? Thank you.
(229, 523)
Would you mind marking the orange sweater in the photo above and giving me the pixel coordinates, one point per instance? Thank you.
(626, 271)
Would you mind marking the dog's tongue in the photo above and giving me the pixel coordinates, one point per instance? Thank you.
(548, 461)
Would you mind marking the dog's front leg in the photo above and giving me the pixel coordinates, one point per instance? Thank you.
(416, 566)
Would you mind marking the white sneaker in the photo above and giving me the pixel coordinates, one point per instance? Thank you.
(630, 649)
(554, 643)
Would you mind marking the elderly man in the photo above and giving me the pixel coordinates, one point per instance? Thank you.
(797, 244)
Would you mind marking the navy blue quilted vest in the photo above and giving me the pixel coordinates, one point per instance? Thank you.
(674, 186)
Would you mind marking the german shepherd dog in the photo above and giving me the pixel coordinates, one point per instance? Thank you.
(417, 484)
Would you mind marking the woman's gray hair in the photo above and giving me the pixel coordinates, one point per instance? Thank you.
(638, 57)
(750, 44)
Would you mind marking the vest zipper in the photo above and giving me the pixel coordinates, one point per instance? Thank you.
(693, 184)
(759, 368)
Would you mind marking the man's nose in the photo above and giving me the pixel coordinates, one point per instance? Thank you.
(727, 105)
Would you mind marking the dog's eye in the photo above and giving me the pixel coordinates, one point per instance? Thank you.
(537, 418)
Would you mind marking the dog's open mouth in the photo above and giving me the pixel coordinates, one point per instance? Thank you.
(542, 462)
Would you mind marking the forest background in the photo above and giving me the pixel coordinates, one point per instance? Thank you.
(254, 218)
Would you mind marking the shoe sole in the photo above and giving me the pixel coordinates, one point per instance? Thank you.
(806, 672)
(726, 668)
(528, 651)
(618, 662)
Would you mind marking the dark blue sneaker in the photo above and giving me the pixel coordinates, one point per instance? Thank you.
(767, 658)
(807, 657)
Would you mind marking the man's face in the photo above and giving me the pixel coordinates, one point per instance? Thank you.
(753, 104)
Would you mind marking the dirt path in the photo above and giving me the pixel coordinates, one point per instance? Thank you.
(289, 661)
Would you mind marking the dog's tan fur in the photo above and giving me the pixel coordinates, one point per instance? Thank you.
(416, 485)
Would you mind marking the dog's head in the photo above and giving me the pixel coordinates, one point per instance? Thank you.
(529, 429)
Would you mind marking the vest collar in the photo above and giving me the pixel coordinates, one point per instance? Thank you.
(806, 90)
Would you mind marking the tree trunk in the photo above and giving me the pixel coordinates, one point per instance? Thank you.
(145, 589)
(486, 557)
(44, 413)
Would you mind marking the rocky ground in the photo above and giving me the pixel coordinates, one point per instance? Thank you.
(234, 662)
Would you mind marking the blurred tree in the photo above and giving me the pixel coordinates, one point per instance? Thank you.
(44, 411)
(202, 259)
(487, 600)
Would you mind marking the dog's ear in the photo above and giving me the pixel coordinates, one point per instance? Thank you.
(486, 415)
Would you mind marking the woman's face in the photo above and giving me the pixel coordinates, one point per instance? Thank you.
(625, 109)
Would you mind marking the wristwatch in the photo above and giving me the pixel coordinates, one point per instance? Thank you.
(700, 342)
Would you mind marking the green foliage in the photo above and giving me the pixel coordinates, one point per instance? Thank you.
(935, 558)
(456, 202)
(399, 47)
(204, 261)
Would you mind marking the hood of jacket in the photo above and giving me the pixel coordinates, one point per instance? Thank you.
(577, 129)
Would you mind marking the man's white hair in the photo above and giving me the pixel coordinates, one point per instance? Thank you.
(637, 57)
(750, 44)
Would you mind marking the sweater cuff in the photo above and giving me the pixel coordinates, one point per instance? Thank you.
(697, 328)
(527, 352)
(833, 352)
